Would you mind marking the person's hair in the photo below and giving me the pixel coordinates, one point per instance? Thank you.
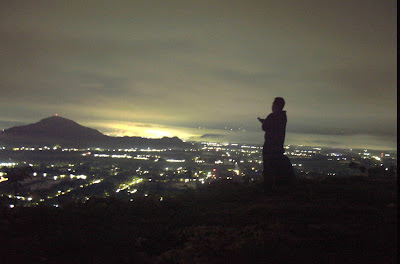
(280, 102)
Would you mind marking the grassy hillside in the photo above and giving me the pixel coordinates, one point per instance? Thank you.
(342, 220)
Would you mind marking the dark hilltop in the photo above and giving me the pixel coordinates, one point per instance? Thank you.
(53, 127)
(338, 220)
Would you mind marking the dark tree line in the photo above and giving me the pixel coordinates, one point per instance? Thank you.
(374, 171)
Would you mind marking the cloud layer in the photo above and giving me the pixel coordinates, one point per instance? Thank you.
(181, 65)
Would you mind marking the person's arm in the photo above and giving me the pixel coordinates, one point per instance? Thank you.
(261, 120)
(266, 124)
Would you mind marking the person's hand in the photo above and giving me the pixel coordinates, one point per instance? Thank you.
(259, 119)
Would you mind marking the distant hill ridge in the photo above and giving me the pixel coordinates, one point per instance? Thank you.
(54, 126)
(60, 130)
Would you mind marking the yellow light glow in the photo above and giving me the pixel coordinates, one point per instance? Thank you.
(147, 130)
(153, 133)
(3, 179)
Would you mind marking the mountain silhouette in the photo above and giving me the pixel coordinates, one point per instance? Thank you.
(58, 130)
(54, 127)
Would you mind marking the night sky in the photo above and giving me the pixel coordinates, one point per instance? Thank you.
(204, 70)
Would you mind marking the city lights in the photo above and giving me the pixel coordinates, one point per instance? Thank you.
(128, 174)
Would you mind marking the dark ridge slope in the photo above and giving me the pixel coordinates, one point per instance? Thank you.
(54, 127)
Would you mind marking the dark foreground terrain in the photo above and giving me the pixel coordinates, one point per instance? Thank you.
(341, 220)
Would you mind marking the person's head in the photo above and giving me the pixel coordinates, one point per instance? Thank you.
(278, 104)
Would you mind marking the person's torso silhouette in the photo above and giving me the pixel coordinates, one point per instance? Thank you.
(274, 126)
(275, 129)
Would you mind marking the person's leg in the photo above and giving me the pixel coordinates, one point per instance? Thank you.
(267, 173)
(274, 165)
(277, 170)
(273, 170)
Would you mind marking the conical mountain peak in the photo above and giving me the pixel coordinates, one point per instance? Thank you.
(54, 127)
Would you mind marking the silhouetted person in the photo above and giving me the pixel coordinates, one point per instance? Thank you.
(275, 127)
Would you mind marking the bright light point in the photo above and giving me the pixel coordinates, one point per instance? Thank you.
(175, 160)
